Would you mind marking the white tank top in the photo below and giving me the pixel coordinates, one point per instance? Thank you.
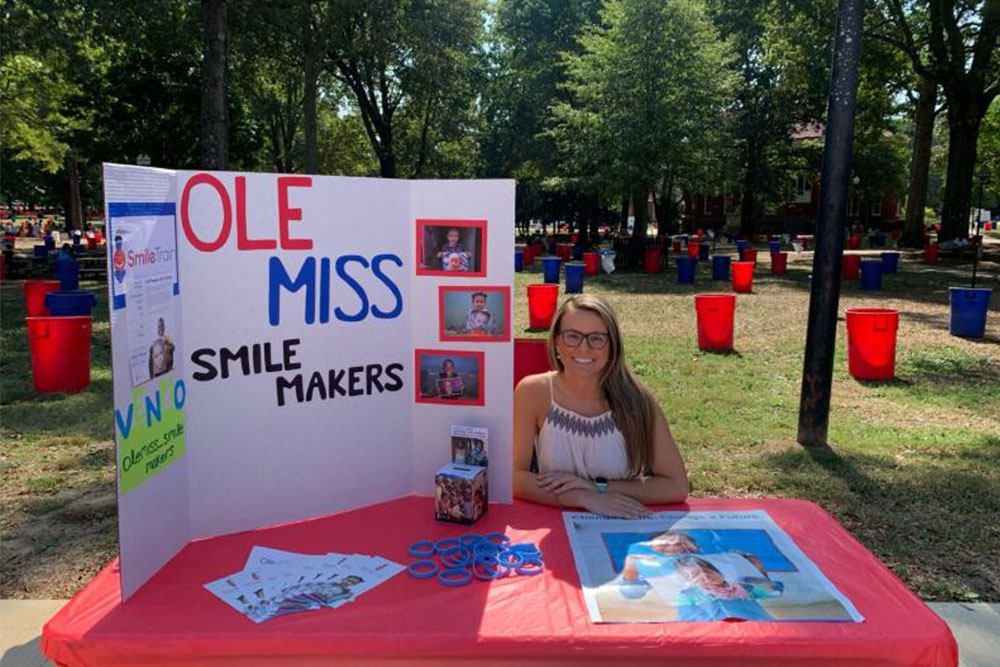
(587, 447)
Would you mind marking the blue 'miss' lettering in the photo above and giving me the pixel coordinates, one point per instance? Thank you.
(331, 270)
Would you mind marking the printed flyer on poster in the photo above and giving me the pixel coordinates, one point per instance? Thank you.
(698, 566)
(145, 283)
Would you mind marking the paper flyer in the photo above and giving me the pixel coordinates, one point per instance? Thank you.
(698, 566)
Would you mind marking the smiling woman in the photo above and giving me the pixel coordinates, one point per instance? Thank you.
(602, 441)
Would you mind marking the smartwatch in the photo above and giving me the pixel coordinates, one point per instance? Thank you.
(601, 483)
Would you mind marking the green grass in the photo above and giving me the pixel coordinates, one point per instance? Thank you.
(913, 471)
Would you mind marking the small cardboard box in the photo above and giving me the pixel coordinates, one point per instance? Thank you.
(460, 493)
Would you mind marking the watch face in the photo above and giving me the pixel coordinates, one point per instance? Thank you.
(601, 480)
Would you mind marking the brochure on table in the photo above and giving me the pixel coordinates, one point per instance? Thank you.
(276, 349)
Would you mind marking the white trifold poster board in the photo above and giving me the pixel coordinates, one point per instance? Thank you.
(279, 350)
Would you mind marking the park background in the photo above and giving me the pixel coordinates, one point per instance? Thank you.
(630, 114)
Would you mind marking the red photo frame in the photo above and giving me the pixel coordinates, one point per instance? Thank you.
(479, 253)
(469, 290)
(479, 399)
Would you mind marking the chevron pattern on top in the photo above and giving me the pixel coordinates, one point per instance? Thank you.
(588, 427)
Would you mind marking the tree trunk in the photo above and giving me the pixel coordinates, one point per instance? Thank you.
(309, 111)
(623, 218)
(214, 81)
(640, 206)
(74, 207)
(748, 204)
(964, 117)
(923, 133)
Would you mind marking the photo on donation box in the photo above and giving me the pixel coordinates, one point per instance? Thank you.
(470, 445)
(698, 566)
(454, 248)
(474, 313)
(449, 377)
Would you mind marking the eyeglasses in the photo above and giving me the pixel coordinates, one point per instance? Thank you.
(572, 338)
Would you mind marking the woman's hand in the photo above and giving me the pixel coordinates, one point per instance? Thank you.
(562, 482)
(613, 504)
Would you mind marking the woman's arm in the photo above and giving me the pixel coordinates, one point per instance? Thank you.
(669, 482)
(530, 398)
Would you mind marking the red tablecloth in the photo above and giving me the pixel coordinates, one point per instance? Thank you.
(524, 620)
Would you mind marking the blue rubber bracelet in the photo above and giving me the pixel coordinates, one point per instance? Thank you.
(422, 569)
(511, 559)
(524, 548)
(486, 571)
(529, 568)
(456, 557)
(447, 543)
(486, 548)
(455, 577)
(487, 558)
(497, 539)
(422, 549)
(471, 538)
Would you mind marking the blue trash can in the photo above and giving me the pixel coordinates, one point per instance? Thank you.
(67, 272)
(775, 246)
(50, 242)
(41, 251)
(68, 304)
(871, 274)
(720, 267)
(552, 248)
(685, 270)
(968, 311)
(518, 261)
(878, 241)
(550, 267)
(578, 252)
(703, 251)
(740, 244)
(890, 262)
(574, 278)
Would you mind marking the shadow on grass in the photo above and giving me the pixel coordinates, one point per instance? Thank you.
(721, 353)
(930, 523)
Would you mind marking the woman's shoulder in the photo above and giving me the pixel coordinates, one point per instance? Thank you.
(533, 389)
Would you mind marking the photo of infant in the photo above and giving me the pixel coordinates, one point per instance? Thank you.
(474, 313)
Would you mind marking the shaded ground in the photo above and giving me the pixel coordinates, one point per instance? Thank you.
(915, 473)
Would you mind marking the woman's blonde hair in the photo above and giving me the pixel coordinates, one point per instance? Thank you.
(632, 404)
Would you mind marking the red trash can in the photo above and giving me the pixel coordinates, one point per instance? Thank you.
(652, 261)
(715, 320)
(931, 252)
(60, 353)
(854, 243)
(779, 263)
(749, 255)
(542, 301)
(34, 296)
(676, 246)
(851, 267)
(693, 248)
(743, 276)
(565, 251)
(871, 343)
(592, 263)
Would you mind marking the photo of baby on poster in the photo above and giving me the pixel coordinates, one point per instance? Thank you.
(698, 566)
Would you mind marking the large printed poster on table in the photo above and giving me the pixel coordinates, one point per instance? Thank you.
(698, 566)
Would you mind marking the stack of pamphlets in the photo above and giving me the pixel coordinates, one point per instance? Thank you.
(274, 582)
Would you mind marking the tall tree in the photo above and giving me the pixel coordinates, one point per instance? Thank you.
(383, 54)
(954, 43)
(214, 83)
(647, 91)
